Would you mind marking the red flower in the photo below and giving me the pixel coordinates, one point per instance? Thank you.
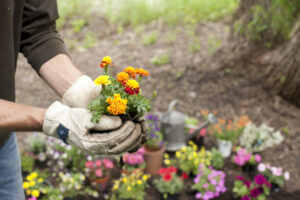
(130, 91)
(103, 64)
(184, 176)
(162, 170)
(167, 177)
(172, 169)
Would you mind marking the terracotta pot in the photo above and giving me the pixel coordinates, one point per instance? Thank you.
(101, 183)
(154, 160)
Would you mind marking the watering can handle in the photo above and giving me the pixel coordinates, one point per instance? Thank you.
(172, 105)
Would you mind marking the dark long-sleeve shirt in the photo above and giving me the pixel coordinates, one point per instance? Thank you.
(26, 26)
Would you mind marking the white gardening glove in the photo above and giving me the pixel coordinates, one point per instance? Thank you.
(81, 93)
(113, 137)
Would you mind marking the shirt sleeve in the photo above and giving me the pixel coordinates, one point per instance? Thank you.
(40, 40)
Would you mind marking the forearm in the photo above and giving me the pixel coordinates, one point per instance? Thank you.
(17, 117)
(60, 73)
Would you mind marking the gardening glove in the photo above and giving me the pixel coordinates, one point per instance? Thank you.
(74, 126)
(81, 93)
(143, 137)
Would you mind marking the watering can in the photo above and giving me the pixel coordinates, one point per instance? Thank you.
(173, 125)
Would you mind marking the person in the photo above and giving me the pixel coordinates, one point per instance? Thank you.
(28, 26)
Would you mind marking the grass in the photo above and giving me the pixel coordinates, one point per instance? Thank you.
(150, 39)
(137, 12)
(161, 59)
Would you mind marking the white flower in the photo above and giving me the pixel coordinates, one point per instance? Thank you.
(261, 167)
(64, 155)
(287, 176)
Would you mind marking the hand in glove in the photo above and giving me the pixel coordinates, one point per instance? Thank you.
(114, 138)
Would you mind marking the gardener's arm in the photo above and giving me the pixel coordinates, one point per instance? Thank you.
(17, 117)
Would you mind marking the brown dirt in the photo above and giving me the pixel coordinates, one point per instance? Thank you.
(228, 92)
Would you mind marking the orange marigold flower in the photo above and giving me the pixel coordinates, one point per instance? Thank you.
(204, 112)
(130, 71)
(105, 61)
(117, 105)
(122, 77)
(142, 72)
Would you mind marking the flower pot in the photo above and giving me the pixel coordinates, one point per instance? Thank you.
(154, 160)
(225, 147)
(249, 169)
(101, 183)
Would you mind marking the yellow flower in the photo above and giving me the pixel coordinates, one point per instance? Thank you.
(102, 80)
(35, 193)
(122, 77)
(133, 84)
(208, 162)
(129, 188)
(145, 177)
(195, 154)
(34, 175)
(167, 162)
(196, 162)
(117, 105)
(166, 155)
(139, 182)
(105, 61)
(28, 192)
(142, 72)
(130, 71)
(177, 154)
(124, 180)
(40, 180)
(116, 186)
(26, 185)
(78, 187)
(32, 183)
(183, 149)
(29, 178)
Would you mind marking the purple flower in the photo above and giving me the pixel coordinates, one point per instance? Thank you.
(246, 198)
(152, 135)
(260, 179)
(198, 195)
(255, 192)
(247, 183)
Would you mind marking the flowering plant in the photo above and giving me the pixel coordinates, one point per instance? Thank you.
(130, 186)
(155, 137)
(256, 139)
(72, 185)
(188, 158)
(134, 160)
(120, 95)
(275, 175)
(169, 182)
(243, 157)
(33, 185)
(209, 183)
(98, 168)
(217, 160)
(227, 129)
(247, 190)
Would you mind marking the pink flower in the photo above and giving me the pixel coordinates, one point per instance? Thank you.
(260, 179)
(125, 157)
(89, 164)
(132, 160)
(32, 198)
(98, 163)
(257, 158)
(276, 171)
(261, 167)
(139, 159)
(191, 130)
(108, 163)
(98, 173)
(203, 132)
(141, 151)
(287, 176)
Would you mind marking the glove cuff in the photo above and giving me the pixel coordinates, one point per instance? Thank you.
(53, 116)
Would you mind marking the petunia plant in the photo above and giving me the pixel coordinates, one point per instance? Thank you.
(120, 95)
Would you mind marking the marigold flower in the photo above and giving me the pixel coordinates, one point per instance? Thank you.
(35, 193)
(122, 77)
(128, 188)
(142, 72)
(117, 105)
(132, 87)
(139, 182)
(102, 80)
(105, 61)
(130, 71)
(145, 177)
(28, 192)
